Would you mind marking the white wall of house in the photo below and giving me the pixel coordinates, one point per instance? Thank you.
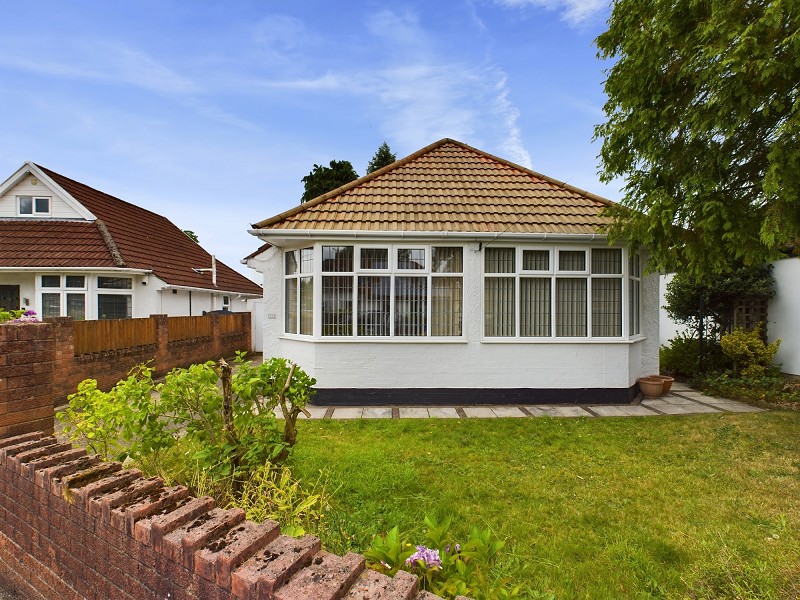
(667, 327)
(59, 209)
(470, 362)
(784, 314)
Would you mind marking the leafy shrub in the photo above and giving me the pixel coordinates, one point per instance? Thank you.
(232, 427)
(444, 566)
(769, 388)
(18, 316)
(750, 355)
(681, 356)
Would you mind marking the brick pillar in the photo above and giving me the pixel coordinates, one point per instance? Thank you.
(216, 337)
(27, 361)
(162, 362)
(64, 373)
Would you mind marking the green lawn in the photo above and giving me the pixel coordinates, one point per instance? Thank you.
(704, 506)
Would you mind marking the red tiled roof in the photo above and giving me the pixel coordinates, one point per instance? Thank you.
(450, 186)
(144, 240)
(38, 243)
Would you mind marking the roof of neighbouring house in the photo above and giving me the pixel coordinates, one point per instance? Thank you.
(450, 186)
(123, 235)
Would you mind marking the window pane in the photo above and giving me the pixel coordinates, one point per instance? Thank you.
(307, 260)
(633, 308)
(25, 205)
(534, 300)
(499, 307)
(374, 304)
(114, 283)
(606, 261)
(411, 258)
(337, 305)
(51, 281)
(290, 306)
(499, 260)
(633, 265)
(447, 260)
(337, 259)
(291, 266)
(114, 306)
(570, 307)
(75, 281)
(51, 305)
(410, 305)
(536, 260)
(306, 305)
(42, 205)
(446, 305)
(572, 260)
(76, 306)
(606, 307)
(374, 258)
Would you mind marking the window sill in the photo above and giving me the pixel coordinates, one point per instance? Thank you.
(375, 340)
(562, 340)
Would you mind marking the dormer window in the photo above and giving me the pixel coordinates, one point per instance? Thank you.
(34, 206)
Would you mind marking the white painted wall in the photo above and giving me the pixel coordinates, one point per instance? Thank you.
(470, 363)
(784, 314)
(58, 208)
(668, 328)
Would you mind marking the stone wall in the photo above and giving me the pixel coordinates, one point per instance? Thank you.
(74, 527)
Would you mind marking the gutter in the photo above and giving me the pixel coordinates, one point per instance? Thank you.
(188, 288)
(110, 270)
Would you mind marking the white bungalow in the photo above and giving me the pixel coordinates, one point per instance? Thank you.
(454, 276)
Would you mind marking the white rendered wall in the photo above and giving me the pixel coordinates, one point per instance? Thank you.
(58, 208)
(669, 328)
(784, 314)
(471, 363)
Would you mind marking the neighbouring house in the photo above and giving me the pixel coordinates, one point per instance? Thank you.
(67, 249)
(456, 276)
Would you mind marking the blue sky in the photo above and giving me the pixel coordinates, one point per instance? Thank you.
(211, 113)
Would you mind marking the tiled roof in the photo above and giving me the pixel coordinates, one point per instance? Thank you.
(38, 243)
(449, 186)
(143, 239)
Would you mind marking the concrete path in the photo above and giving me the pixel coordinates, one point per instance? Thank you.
(681, 400)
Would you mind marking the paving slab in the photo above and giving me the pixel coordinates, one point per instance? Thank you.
(557, 411)
(679, 409)
(414, 412)
(443, 412)
(347, 413)
(508, 411)
(479, 412)
(317, 412)
(737, 407)
(604, 410)
(377, 412)
(673, 399)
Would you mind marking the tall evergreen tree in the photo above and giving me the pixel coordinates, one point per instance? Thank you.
(384, 156)
(703, 123)
(322, 180)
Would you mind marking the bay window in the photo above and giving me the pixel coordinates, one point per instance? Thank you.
(553, 292)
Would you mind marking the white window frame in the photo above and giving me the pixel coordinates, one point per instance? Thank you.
(63, 291)
(113, 291)
(554, 274)
(34, 212)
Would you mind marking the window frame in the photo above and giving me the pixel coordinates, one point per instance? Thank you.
(34, 212)
(555, 273)
(64, 292)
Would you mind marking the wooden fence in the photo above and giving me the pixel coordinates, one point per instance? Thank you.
(118, 334)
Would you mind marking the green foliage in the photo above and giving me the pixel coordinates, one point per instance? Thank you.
(192, 235)
(703, 117)
(443, 565)
(9, 315)
(681, 356)
(750, 355)
(232, 428)
(382, 157)
(772, 389)
(322, 180)
(718, 297)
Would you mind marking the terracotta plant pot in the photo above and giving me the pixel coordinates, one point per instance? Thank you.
(665, 379)
(651, 387)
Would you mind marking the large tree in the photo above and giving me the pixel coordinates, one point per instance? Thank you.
(383, 157)
(704, 126)
(322, 180)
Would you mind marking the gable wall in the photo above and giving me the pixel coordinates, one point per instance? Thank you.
(58, 207)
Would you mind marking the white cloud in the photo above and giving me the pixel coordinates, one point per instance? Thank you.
(574, 12)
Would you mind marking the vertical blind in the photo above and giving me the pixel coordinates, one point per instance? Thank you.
(534, 300)
(410, 306)
(570, 307)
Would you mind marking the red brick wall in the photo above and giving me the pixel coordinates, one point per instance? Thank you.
(27, 355)
(73, 527)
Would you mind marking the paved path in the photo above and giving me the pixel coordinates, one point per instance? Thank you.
(681, 400)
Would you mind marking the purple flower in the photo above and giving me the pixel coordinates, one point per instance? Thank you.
(428, 556)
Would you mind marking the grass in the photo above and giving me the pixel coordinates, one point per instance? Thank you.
(706, 506)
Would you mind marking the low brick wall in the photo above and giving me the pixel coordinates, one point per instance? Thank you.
(74, 527)
(27, 358)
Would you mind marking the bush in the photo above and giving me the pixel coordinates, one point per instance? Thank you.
(769, 388)
(750, 355)
(680, 357)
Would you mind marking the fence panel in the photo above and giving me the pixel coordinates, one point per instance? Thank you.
(231, 323)
(186, 328)
(113, 334)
